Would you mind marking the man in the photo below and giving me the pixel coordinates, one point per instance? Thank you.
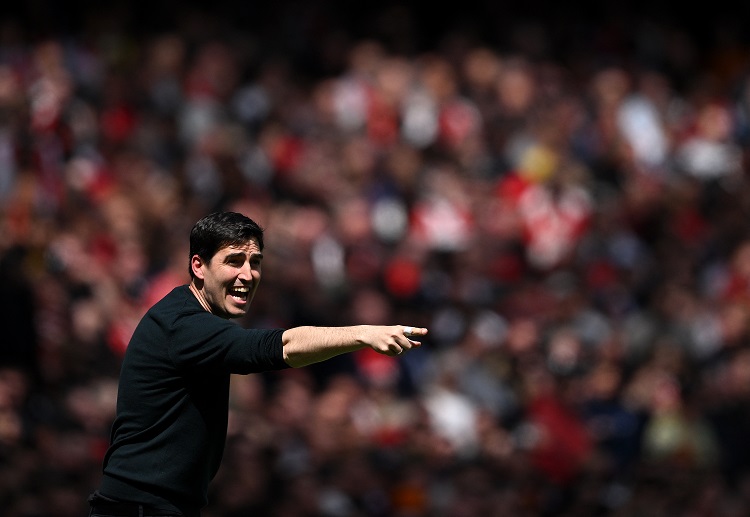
(169, 433)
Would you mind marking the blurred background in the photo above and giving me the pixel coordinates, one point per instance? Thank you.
(559, 192)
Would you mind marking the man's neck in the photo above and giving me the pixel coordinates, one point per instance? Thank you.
(199, 295)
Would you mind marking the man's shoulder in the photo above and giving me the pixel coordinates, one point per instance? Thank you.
(180, 308)
(177, 297)
(172, 312)
(177, 303)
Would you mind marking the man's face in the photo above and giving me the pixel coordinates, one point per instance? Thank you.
(230, 279)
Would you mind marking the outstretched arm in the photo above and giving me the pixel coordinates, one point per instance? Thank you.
(308, 345)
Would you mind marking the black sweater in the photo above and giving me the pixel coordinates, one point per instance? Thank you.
(170, 430)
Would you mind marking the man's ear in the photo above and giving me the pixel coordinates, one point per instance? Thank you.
(197, 264)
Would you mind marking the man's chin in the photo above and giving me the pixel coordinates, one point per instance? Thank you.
(238, 312)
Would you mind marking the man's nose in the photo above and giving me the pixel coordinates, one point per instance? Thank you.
(246, 271)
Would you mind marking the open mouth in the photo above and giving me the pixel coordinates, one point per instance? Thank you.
(239, 293)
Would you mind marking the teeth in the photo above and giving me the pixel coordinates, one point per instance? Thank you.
(241, 289)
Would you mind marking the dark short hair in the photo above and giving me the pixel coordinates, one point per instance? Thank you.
(219, 230)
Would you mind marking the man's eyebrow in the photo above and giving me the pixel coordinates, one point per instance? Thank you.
(257, 255)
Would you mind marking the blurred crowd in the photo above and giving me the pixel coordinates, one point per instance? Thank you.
(571, 228)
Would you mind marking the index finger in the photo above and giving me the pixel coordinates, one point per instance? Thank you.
(414, 331)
